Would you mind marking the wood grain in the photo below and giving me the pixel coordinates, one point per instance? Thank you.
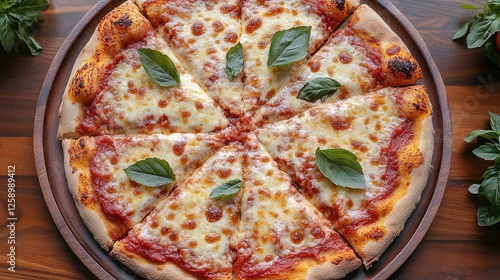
(455, 247)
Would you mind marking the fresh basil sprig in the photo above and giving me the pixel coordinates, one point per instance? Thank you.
(159, 67)
(151, 172)
(227, 189)
(341, 167)
(488, 191)
(481, 29)
(319, 88)
(234, 61)
(289, 46)
(16, 19)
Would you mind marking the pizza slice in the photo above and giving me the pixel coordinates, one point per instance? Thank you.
(201, 33)
(111, 93)
(109, 202)
(281, 235)
(262, 19)
(362, 56)
(390, 132)
(189, 233)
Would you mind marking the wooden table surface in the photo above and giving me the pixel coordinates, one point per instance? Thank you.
(455, 247)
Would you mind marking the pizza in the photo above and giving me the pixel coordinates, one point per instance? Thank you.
(250, 139)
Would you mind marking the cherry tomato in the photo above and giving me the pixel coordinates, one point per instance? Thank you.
(498, 41)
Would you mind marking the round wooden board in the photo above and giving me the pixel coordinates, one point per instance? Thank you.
(50, 169)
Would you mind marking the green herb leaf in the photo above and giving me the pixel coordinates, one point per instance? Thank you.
(7, 34)
(495, 122)
(341, 167)
(159, 67)
(235, 61)
(33, 45)
(489, 195)
(469, 7)
(488, 151)
(16, 17)
(463, 31)
(492, 52)
(319, 88)
(151, 172)
(474, 188)
(486, 134)
(289, 46)
(227, 189)
(488, 191)
(482, 29)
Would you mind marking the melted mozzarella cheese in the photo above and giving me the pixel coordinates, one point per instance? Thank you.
(362, 124)
(188, 221)
(338, 59)
(276, 221)
(200, 33)
(184, 153)
(133, 103)
(258, 26)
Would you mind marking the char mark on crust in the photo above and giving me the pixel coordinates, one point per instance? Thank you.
(402, 66)
(124, 21)
(339, 3)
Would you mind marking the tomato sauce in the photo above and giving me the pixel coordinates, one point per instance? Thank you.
(401, 137)
(156, 253)
(100, 180)
(245, 267)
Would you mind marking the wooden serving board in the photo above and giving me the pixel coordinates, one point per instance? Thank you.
(50, 169)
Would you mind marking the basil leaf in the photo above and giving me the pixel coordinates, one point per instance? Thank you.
(319, 88)
(474, 188)
(486, 134)
(7, 34)
(234, 61)
(492, 52)
(488, 151)
(159, 67)
(482, 29)
(341, 167)
(289, 46)
(495, 122)
(469, 7)
(227, 189)
(463, 31)
(28, 8)
(151, 172)
(33, 45)
(15, 19)
(489, 193)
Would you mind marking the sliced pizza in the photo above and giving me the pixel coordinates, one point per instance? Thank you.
(263, 19)
(281, 235)
(109, 202)
(201, 33)
(362, 56)
(188, 235)
(391, 134)
(111, 93)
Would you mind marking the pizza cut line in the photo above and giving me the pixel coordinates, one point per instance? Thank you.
(296, 138)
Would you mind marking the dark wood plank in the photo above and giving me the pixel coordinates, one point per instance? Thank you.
(39, 247)
(452, 260)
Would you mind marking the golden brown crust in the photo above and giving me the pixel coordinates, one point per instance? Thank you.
(333, 270)
(414, 169)
(400, 67)
(146, 269)
(77, 156)
(122, 26)
(334, 11)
